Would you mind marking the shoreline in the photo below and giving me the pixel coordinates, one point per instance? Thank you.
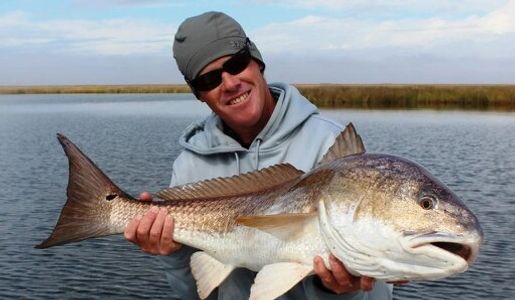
(95, 89)
(365, 96)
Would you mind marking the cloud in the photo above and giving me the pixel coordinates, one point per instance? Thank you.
(86, 37)
(137, 2)
(11, 19)
(316, 33)
(387, 6)
(323, 34)
(107, 3)
(332, 41)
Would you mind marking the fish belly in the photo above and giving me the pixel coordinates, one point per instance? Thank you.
(252, 248)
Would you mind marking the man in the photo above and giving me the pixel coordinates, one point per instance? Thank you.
(253, 125)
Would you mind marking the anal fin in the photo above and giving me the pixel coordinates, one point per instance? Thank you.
(208, 272)
(276, 279)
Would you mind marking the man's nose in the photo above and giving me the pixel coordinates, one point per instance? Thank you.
(230, 82)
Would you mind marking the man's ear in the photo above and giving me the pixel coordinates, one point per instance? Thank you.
(261, 66)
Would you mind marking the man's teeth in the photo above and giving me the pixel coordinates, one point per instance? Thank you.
(239, 99)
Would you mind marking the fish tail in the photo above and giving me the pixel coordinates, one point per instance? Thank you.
(90, 194)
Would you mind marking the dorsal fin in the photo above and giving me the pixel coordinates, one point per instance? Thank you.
(233, 186)
(347, 143)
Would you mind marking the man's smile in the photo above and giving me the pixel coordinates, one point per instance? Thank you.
(239, 99)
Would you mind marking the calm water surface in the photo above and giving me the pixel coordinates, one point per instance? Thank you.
(133, 139)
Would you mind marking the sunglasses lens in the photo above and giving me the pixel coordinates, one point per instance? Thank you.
(208, 81)
(235, 65)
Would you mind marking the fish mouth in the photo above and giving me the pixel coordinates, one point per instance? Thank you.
(461, 250)
(465, 247)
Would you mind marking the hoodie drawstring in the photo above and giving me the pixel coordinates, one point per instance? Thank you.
(238, 171)
(258, 141)
(256, 165)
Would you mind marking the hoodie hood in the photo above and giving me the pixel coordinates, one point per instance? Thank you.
(207, 137)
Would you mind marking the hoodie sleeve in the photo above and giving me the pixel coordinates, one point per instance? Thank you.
(178, 274)
(313, 289)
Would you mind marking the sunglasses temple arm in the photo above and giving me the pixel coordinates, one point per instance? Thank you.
(193, 90)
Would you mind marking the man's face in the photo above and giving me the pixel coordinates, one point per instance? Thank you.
(241, 100)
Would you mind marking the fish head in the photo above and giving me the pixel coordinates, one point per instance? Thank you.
(400, 218)
(437, 221)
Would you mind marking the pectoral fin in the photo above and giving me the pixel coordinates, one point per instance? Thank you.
(276, 279)
(208, 272)
(282, 226)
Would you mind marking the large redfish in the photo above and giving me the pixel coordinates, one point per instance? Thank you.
(383, 216)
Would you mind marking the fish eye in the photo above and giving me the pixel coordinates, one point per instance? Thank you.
(427, 202)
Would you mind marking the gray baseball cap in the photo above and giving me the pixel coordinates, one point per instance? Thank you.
(204, 38)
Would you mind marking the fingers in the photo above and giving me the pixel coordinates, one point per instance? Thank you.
(130, 229)
(130, 232)
(338, 279)
(325, 275)
(156, 229)
(339, 272)
(366, 283)
(398, 282)
(168, 245)
(153, 232)
(143, 230)
(145, 196)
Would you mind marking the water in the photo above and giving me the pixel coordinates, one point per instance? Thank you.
(133, 139)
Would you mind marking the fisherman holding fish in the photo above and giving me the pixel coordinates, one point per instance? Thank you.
(265, 184)
(254, 125)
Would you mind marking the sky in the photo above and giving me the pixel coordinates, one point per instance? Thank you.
(47, 42)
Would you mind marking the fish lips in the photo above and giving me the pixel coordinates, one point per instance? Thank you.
(464, 247)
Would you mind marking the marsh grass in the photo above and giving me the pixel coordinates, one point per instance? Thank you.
(476, 97)
(469, 97)
(95, 89)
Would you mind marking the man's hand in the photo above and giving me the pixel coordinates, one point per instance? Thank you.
(338, 279)
(152, 232)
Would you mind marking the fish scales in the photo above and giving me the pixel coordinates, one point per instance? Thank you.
(210, 223)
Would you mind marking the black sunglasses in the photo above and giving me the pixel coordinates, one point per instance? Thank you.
(234, 65)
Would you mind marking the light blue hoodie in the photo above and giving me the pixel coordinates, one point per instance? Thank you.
(297, 134)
